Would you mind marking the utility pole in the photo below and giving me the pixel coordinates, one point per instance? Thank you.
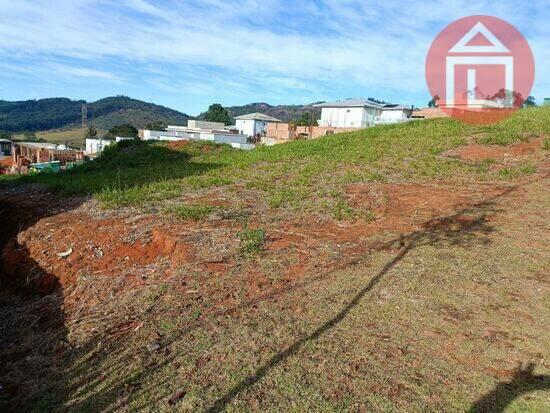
(84, 115)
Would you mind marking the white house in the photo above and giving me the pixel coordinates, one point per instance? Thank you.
(361, 113)
(253, 124)
(96, 146)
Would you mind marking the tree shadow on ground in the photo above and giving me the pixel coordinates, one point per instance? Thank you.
(34, 354)
(126, 165)
(460, 228)
(524, 381)
(467, 226)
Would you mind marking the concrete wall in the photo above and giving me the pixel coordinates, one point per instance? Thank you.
(234, 139)
(281, 132)
(393, 116)
(347, 117)
(202, 124)
(96, 146)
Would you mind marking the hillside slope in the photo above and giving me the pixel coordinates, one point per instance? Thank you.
(283, 112)
(63, 113)
(396, 268)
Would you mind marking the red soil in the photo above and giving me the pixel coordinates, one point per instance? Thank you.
(477, 152)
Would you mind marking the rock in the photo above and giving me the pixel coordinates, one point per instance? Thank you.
(152, 347)
(65, 253)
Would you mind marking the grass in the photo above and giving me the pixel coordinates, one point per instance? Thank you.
(435, 318)
(74, 137)
(192, 212)
(251, 241)
(299, 175)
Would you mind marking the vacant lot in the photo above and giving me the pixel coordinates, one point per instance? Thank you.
(400, 268)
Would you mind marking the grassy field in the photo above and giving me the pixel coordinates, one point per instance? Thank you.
(362, 272)
(302, 175)
(74, 137)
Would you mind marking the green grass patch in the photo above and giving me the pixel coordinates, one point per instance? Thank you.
(514, 172)
(196, 212)
(252, 241)
(546, 144)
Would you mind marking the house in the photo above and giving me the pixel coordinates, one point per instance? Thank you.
(546, 102)
(361, 113)
(253, 124)
(5, 148)
(96, 146)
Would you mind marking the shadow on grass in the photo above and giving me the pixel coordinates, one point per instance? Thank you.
(129, 165)
(523, 382)
(464, 227)
(460, 228)
(33, 336)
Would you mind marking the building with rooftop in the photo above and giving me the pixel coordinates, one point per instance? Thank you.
(253, 125)
(361, 113)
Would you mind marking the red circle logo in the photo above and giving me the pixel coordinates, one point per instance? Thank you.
(480, 69)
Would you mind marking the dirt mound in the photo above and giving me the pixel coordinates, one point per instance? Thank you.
(476, 152)
(57, 250)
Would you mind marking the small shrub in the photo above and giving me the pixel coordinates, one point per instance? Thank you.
(516, 171)
(252, 241)
(192, 212)
(546, 144)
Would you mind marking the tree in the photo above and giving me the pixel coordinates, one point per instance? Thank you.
(30, 136)
(5, 135)
(91, 133)
(217, 113)
(530, 102)
(157, 126)
(124, 130)
(433, 103)
(305, 120)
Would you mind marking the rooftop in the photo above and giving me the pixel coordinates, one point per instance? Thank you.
(350, 103)
(361, 103)
(257, 116)
(38, 145)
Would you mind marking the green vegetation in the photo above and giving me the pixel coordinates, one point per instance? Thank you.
(217, 113)
(546, 144)
(125, 130)
(157, 125)
(252, 241)
(192, 212)
(302, 176)
(62, 113)
(286, 113)
(91, 133)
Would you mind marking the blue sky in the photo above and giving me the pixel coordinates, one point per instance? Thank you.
(187, 54)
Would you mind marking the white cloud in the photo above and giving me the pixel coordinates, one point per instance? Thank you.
(319, 46)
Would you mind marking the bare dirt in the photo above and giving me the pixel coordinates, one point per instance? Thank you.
(476, 152)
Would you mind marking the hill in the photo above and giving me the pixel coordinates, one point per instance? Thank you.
(283, 112)
(63, 113)
(396, 268)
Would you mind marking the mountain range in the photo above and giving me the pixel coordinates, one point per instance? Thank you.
(64, 113)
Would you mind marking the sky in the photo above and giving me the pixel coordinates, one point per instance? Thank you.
(188, 54)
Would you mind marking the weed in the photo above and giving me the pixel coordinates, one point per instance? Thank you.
(195, 212)
(252, 241)
(546, 144)
(514, 172)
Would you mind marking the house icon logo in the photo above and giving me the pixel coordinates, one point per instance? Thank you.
(480, 69)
